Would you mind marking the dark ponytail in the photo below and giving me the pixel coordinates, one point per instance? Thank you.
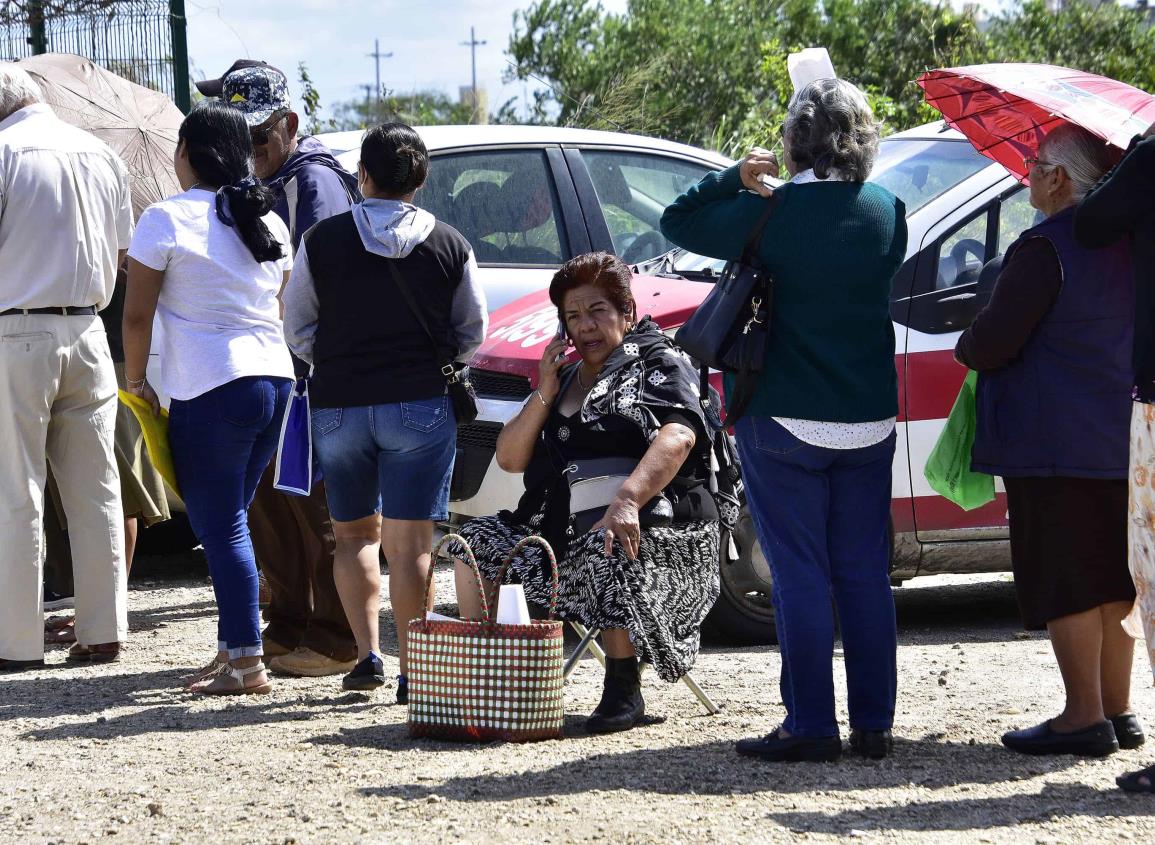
(220, 152)
(395, 158)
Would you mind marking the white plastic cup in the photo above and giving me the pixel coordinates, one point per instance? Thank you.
(807, 65)
(511, 606)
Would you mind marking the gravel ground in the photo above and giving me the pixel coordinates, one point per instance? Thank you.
(120, 754)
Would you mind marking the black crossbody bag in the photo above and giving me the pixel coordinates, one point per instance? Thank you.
(729, 331)
(457, 383)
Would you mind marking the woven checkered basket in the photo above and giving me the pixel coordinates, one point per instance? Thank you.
(482, 680)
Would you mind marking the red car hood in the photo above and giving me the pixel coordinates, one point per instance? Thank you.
(519, 331)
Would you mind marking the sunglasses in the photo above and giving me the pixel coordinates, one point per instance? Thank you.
(261, 134)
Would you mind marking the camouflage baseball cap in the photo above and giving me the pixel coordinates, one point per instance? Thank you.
(257, 92)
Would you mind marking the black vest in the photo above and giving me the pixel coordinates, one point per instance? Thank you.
(369, 349)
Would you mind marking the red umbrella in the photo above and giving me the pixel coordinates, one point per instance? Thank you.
(1006, 110)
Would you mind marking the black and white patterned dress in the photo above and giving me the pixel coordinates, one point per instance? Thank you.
(661, 598)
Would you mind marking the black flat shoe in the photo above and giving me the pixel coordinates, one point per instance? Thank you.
(1098, 740)
(366, 675)
(874, 745)
(1128, 731)
(794, 749)
(402, 689)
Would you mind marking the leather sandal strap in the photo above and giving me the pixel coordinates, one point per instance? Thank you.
(240, 674)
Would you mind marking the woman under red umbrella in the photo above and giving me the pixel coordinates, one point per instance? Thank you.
(1122, 206)
(1052, 350)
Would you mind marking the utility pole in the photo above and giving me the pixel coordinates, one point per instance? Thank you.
(377, 56)
(473, 44)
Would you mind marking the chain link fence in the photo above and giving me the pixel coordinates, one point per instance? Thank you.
(141, 40)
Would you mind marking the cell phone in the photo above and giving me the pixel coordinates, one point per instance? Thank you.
(561, 335)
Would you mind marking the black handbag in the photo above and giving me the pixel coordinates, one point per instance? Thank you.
(457, 383)
(729, 331)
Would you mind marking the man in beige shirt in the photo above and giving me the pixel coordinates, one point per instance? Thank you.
(65, 223)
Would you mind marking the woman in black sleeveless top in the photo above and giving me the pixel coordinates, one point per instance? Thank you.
(638, 559)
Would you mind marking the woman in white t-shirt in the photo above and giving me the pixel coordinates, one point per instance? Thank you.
(209, 265)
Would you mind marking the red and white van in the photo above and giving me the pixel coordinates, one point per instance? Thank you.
(962, 212)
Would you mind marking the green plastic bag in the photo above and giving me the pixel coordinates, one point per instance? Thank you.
(948, 469)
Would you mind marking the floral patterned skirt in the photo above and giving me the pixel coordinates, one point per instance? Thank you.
(1141, 526)
(661, 598)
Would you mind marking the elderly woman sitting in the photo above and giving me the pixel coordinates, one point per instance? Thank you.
(1053, 352)
(616, 454)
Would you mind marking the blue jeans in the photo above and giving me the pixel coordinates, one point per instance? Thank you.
(221, 443)
(822, 516)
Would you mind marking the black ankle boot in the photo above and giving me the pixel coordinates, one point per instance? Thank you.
(621, 706)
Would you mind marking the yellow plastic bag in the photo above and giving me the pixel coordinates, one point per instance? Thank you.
(155, 431)
(948, 469)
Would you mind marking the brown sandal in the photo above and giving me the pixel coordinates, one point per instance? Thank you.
(205, 673)
(96, 653)
(238, 676)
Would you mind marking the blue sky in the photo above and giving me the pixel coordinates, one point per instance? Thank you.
(334, 38)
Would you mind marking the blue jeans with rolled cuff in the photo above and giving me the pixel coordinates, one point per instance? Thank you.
(221, 443)
(822, 517)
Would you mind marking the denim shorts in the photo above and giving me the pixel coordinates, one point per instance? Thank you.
(395, 459)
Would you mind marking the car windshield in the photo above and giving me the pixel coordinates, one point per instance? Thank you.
(918, 170)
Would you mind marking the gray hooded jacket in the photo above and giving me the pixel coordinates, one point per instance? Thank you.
(391, 229)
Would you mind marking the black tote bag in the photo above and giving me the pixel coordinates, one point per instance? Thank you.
(730, 329)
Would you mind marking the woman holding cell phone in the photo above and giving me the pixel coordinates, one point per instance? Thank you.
(615, 454)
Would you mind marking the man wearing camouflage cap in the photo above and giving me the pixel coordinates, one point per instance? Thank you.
(307, 632)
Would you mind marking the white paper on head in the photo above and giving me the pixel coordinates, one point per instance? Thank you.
(511, 606)
(807, 65)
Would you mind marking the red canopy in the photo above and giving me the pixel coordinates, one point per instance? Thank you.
(1006, 110)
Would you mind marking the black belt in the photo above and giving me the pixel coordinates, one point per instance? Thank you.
(63, 311)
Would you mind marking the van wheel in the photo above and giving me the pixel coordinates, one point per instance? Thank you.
(744, 612)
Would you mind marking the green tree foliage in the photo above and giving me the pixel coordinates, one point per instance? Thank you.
(311, 99)
(420, 108)
(713, 72)
(1109, 39)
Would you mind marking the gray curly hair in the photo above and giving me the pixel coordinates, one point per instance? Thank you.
(1084, 156)
(17, 89)
(830, 127)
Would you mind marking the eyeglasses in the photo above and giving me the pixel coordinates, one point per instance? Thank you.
(1030, 161)
(261, 134)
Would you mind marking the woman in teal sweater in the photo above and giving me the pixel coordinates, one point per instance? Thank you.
(817, 442)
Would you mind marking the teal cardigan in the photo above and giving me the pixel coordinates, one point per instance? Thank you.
(833, 249)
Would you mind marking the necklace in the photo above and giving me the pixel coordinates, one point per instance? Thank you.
(581, 383)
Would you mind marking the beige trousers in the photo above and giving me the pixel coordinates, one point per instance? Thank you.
(58, 404)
